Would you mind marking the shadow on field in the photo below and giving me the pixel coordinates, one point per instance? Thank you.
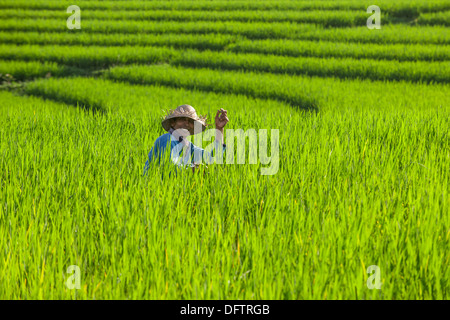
(303, 104)
(87, 106)
(298, 102)
(25, 75)
(19, 82)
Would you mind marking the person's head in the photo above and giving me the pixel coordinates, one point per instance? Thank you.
(182, 123)
(184, 117)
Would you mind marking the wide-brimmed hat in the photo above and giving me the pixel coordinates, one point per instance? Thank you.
(186, 111)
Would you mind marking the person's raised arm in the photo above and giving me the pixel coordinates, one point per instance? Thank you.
(221, 121)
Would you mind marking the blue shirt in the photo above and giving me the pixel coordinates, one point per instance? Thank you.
(196, 154)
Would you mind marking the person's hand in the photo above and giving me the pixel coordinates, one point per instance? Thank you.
(221, 119)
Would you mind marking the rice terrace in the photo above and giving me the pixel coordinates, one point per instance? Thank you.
(355, 117)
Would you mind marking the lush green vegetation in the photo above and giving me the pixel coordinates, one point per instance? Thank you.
(441, 18)
(251, 30)
(326, 49)
(363, 176)
(331, 18)
(236, 43)
(87, 57)
(315, 93)
(400, 7)
(204, 41)
(94, 56)
(342, 68)
(22, 70)
(326, 18)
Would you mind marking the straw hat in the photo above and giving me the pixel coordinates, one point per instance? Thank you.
(186, 111)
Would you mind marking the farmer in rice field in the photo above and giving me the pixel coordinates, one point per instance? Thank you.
(179, 124)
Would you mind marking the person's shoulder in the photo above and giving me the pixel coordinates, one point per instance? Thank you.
(163, 139)
(165, 136)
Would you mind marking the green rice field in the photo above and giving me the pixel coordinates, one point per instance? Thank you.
(362, 179)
